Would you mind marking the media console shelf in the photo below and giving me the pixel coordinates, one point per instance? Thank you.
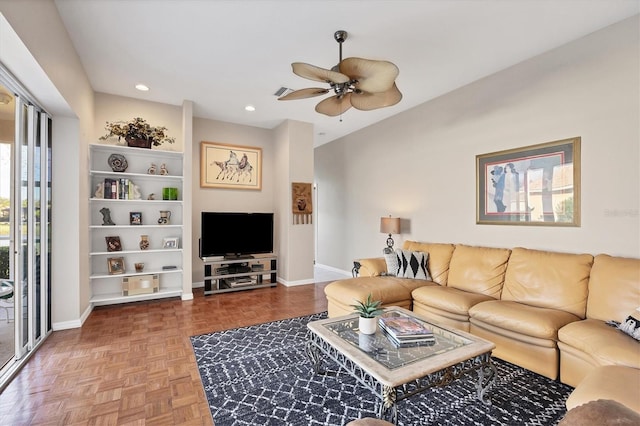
(224, 275)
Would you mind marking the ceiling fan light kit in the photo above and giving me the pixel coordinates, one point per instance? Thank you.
(363, 84)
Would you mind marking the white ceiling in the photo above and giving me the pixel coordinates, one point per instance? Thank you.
(223, 55)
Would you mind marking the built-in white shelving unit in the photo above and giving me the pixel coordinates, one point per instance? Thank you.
(106, 287)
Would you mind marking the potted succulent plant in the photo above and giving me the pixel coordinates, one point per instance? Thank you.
(138, 133)
(368, 311)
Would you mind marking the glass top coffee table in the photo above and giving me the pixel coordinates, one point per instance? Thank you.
(394, 374)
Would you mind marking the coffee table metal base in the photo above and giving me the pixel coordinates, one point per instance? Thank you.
(390, 396)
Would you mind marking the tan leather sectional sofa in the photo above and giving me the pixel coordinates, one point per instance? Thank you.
(545, 311)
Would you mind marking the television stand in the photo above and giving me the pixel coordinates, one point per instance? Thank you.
(238, 256)
(239, 273)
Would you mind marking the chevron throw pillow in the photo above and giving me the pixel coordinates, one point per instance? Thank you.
(408, 264)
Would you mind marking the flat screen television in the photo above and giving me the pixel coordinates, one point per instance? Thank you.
(235, 234)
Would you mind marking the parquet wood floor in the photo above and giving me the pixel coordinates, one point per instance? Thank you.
(133, 364)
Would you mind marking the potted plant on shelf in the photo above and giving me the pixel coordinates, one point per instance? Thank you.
(137, 133)
(368, 311)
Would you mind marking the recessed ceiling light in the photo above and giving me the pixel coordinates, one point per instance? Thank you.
(250, 108)
(142, 87)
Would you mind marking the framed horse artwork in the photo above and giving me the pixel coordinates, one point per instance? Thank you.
(230, 166)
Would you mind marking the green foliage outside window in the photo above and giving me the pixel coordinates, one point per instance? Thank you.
(4, 262)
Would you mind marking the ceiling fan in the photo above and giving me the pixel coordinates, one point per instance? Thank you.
(360, 83)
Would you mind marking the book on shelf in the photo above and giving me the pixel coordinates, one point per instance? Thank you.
(118, 189)
(404, 327)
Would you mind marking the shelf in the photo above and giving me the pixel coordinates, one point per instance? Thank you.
(133, 274)
(115, 253)
(115, 200)
(240, 288)
(107, 288)
(214, 282)
(144, 152)
(99, 173)
(132, 226)
(113, 298)
(240, 274)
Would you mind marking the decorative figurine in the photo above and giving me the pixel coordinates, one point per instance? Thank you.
(163, 169)
(152, 170)
(165, 217)
(99, 191)
(151, 196)
(144, 242)
(106, 216)
(117, 162)
(136, 193)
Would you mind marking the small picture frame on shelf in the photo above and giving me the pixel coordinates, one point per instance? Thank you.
(170, 242)
(115, 265)
(135, 218)
(113, 243)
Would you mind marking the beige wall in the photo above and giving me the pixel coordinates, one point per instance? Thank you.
(229, 200)
(420, 164)
(39, 53)
(7, 130)
(294, 153)
(119, 108)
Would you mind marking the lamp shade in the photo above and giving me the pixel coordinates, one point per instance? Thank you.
(390, 225)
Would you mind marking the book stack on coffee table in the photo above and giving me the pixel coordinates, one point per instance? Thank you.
(404, 331)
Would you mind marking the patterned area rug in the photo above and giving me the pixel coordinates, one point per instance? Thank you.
(260, 375)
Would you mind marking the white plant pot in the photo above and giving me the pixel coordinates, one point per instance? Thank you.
(367, 325)
(367, 342)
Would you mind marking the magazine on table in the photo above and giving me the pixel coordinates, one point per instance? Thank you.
(404, 327)
(409, 343)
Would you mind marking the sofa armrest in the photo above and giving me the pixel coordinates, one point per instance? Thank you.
(370, 267)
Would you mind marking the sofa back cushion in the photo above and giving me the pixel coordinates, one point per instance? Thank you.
(614, 288)
(478, 269)
(548, 280)
(439, 258)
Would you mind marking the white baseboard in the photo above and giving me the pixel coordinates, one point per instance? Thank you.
(295, 283)
(77, 323)
(332, 269)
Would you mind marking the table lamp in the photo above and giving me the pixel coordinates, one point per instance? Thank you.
(389, 225)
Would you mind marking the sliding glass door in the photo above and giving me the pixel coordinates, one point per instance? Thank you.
(29, 253)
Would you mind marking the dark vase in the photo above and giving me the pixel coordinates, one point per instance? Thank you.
(139, 143)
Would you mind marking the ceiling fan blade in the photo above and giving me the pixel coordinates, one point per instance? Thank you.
(335, 105)
(318, 74)
(304, 93)
(368, 101)
(373, 76)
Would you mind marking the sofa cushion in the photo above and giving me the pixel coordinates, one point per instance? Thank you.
(548, 280)
(606, 344)
(372, 267)
(448, 299)
(601, 412)
(386, 289)
(393, 263)
(478, 269)
(614, 288)
(621, 384)
(519, 320)
(439, 258)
